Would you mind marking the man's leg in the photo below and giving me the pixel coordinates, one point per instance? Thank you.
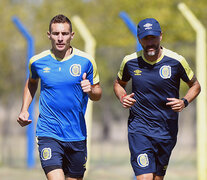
(50, 152)
(73, 178)
(158, 177)
(75, 160)
(142, 156)
(149, 176)
(56, 174)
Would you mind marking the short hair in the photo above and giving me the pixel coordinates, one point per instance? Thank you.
(60, 18)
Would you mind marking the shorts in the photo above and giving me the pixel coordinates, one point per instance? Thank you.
(69, 156)
(150, 155)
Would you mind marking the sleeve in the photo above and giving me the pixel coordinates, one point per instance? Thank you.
(186, 72)
(92, 73)
(123, 73)
(32, 70)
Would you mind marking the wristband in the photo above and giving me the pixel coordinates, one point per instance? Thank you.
(185, 102)
(123, 97)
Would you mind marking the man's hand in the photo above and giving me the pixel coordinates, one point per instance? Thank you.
(128, 100)
(177, 105)
(23, 119)
(85, 84)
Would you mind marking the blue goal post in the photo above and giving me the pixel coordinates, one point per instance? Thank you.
(31, 127)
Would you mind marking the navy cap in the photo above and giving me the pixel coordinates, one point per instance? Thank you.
(149, 26)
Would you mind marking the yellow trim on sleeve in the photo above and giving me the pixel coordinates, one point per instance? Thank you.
(187, 68)
(182, 60)
(91, 59)
(125, 60)
(37, 57)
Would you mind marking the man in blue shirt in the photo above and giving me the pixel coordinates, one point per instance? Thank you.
(154, 102)
(68, 77)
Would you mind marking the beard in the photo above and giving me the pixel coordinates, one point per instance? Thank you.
(150, 53)
(148, 50)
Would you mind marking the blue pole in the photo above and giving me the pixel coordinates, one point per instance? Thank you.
(30, 127)
(132, 27)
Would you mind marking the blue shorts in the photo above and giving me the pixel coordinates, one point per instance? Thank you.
(149, 155)
(69, 156)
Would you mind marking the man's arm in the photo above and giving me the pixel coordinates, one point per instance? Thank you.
(127, 101)
(194, 89)
(29, 92)
(178, 105)
(94, 91)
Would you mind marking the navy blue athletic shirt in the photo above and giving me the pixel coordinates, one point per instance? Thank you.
(153, 83)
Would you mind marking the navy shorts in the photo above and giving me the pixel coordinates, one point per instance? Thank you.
(69, 156)
(150, 155)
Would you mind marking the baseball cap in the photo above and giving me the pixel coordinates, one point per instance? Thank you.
(149, 26)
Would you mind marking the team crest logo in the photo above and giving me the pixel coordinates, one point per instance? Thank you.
(46, 154)
(143, 160)
(75, 70)
(165, 72)
(137, 72)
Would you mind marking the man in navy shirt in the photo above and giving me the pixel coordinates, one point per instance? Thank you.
(154, 102)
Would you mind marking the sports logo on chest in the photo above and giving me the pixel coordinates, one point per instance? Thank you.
(137, 72)
(165, 72)
(75, 70)
(46, 70)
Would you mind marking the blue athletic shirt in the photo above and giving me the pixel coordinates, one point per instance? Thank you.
(153, 83)
(62, 103)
